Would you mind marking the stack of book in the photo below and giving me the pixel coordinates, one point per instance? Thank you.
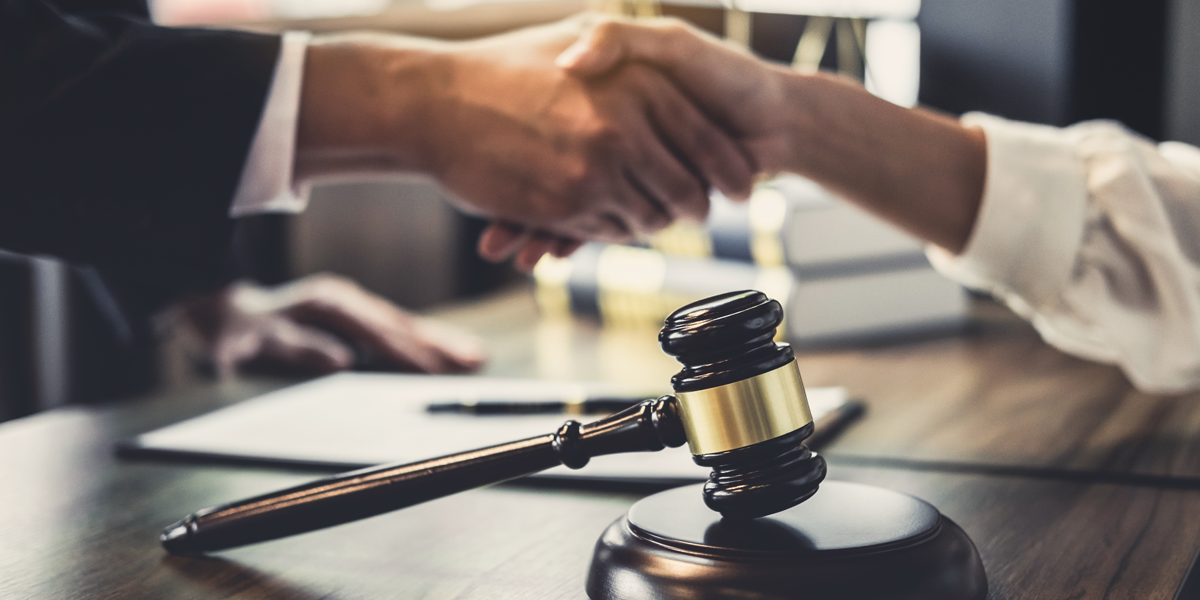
(843, 275)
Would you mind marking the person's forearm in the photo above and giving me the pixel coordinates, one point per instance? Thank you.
(363, 106)
(920, 170)
(512, 137)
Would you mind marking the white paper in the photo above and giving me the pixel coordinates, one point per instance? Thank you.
(372, 418)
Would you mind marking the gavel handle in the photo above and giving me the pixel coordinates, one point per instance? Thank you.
(648, 426)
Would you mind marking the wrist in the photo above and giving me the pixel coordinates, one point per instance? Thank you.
(364, 106)
(920, 170)
(810, 122)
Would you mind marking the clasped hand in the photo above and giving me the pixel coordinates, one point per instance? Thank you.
(664, 101)
(550, 156)
(607, 129)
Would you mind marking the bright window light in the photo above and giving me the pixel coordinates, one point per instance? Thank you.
(894, 60)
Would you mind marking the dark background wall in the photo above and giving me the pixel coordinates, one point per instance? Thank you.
(1056, 62)
(1006, 57)
(1183, 72)
(1048, 61)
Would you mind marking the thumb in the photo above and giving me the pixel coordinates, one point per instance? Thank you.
(666, 43)
(598, 51)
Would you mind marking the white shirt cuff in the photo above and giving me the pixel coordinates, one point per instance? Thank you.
(1031, 221)
(266, 184)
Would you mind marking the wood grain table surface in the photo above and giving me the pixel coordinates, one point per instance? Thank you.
(992, 399)
(79, 523)
(1001, 400)
(1070, 484)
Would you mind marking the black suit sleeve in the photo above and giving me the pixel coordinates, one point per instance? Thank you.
(121, 143)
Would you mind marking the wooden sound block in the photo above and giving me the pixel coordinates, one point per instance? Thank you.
(848, 541)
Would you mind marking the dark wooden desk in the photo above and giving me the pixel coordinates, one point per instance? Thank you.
(77, 522)
(1002, 401)
(994, 400)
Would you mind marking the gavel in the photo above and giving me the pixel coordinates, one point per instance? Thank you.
(739, 403)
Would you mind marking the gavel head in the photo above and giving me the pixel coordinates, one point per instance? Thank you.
(742, 404)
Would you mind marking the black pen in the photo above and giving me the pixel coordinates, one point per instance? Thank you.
(587, 406)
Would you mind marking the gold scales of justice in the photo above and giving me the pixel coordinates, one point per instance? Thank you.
(765, 525)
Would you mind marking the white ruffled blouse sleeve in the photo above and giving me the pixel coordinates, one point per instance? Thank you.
(1093, 234)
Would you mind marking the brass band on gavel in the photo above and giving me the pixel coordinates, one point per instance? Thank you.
(746, 412)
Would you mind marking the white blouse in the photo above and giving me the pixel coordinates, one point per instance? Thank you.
(1093, 234)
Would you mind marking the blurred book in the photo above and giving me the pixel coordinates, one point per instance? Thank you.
(787, 221)
(875, 304)
(638, 287)
(843, 275)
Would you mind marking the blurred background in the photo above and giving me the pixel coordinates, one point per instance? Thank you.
(846, 278)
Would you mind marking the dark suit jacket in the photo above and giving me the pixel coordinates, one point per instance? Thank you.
(121, 143)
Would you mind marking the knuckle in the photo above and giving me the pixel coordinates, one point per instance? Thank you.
(607, 30)
(560, 205)
(683, 190)
(635, 72)
(574, 175)
(577, 180)
(557, 208)
(656, 221)
(649, 215)
(603, 136)
(643, 81)
(617, 230)
(674, 27)
(713, 154)
(707, 143)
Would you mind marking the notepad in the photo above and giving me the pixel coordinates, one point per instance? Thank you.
(354, 420)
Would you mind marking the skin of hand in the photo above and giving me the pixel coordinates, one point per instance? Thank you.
(745, 82)
(310, 324)
(920, 170)
(511, 135)
(501, 240)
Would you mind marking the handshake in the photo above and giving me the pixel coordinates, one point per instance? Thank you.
(593, 128)
(589, 129)
(597, 128)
